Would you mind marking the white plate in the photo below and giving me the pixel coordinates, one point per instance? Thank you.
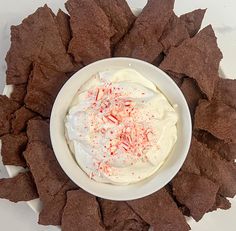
(220, 14)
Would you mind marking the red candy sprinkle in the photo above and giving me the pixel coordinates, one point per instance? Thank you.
(119, 116)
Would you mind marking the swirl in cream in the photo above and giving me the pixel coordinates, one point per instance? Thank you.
(120, 127)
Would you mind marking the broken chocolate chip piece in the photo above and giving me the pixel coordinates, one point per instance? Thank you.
(51, 213)
(81, 210)
(196, 192)
(221, 203)
(193, 21)
(43, 87)
(20, 119)
(174, 34)
(7, 108)
(63, 21)
(38, 130)
(216, 118)
(224, 149)
(51, 182)
(120, 16)
(91, 31)
(197, 58)
(18, 93)
(142, 41)
(118, 216)
(13, 147)
(36, 39)
(160, 211)
(206, 162)
(225, 91)
(192, 94)
(18, 188)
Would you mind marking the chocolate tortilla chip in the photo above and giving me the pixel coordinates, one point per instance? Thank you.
(225, 91)
(18, 188)
(142, 41)
(63, 21)
(81, 210)
(18, 93)
(12, 149)
(193, 21)
(118, 216)
(174, 34)
(221, 203)
(43, 87)
(120, 16)
(51, 182)
(91, 31)
(160, 211)
(206, 162)
(7, 108)
(197, 58)
(51, 213)
(196, 192)
(224, 149)
(21, 117)
(36, 39)
(38, 130)
(192, 94)
(216, 118)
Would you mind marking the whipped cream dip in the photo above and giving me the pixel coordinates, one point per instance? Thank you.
(120, 127)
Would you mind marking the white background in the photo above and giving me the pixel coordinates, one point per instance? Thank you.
(220, 13)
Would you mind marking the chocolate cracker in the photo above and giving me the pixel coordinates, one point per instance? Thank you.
(118, 216)
(12, 149)
(49, 181)
(225, 91)
(43, 87)
(160, 211)
(216, 118)
(7, 108)
(52, 210)
(18, 188)
(224, 149)
(81, 210)
(120, 16)
(20, 119)
(142, 41)
(197, 58)
(192, 94)
(174, 34)
(206, 162)
(18, 93)
(193, 21)
(221, 203)
(38, 130)
(91, 31)
(63, 21)
(196, 192)
(36, 39)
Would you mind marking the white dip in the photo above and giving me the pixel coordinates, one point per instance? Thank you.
(120, 127)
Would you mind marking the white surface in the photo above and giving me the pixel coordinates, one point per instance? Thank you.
(220, 13)
(163, 175)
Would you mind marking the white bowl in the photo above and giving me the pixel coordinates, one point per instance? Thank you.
(168, 169)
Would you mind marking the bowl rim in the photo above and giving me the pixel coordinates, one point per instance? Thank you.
(73, 171)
